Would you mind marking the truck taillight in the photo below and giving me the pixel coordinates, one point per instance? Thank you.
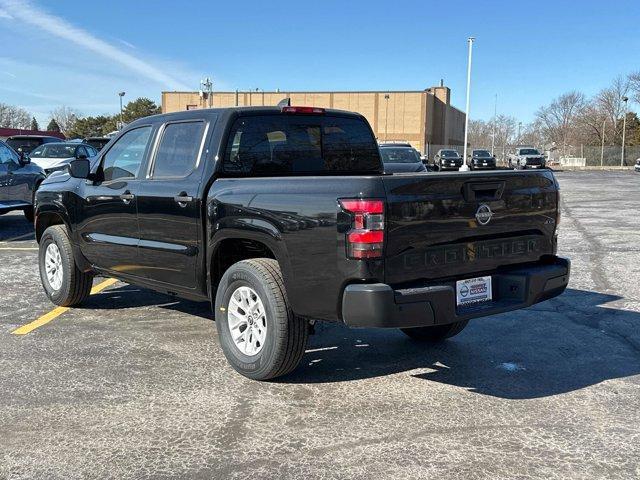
(365, 238)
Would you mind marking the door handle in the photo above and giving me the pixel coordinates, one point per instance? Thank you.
(182, 199)
(127, 196)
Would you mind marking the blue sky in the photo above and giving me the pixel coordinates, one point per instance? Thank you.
(80, 54)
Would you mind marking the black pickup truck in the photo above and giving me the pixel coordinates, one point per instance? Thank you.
(282, 217)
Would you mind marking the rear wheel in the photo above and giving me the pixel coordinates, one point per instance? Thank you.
(259, 334)
(63, 282)
(436, 333)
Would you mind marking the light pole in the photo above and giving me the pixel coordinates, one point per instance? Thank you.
(519, 128)
(495, 119)
(207, 86)
(604, 124)
(121, 94)
(386, 114)
(624, 130)
(466, 119)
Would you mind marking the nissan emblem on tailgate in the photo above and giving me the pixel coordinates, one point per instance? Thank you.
(484, 214)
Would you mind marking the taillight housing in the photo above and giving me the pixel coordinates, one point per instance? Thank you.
(365, 238)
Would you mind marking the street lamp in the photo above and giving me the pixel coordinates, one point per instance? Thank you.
(466, 120)
(495, 119)
(121, 94)
(604, 125)
(519, 129)
(624, 129)
(386, 114)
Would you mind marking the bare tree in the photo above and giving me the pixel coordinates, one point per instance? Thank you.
(14, 117)
(558, 120)
(65, 117)
(634, 85)
(480, 133)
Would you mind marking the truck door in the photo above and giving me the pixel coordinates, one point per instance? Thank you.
(108, 217)
(169, 205)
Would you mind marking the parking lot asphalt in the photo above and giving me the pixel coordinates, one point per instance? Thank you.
(134, 384)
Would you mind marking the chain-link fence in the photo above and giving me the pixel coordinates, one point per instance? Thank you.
(581, 155)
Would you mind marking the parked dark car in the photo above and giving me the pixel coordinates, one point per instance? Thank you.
(56, 156)
(97, 142)
(482, 160)
(637, 165)
(283, 216)
(448, 159)
(27, 143)
(398, 159)
(19, 180)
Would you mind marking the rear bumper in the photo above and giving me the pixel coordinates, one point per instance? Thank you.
(379, 305)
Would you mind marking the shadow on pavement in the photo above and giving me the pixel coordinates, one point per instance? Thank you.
(15, 225)
(130, 296)
(558, 346)
(562, 345)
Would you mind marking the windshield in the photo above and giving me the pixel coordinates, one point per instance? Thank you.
(27, 144)
(58, 151)
(97, 143)
(399, 155)
(481, 153)
(448, 153)
(529, 151)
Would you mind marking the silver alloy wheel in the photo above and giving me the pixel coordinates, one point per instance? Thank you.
(247, 321)
(53, 266)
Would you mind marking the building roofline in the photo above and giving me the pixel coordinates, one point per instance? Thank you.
(232, 92)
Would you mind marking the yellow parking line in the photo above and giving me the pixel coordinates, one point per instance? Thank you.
(56, 312)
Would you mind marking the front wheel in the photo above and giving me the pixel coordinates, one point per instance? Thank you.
(63, 282)
(436, 333)
(259, 334)
(28, 214)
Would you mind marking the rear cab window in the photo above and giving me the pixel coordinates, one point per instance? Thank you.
(290, 144)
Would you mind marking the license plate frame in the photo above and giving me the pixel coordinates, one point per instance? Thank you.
(472, 291)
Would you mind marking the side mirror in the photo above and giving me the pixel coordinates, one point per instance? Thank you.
(23, 157)
(79, 168)
(81, 156)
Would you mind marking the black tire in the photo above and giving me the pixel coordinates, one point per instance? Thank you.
(76, 285)
(28, 214)
(436, 333)
(286, 334)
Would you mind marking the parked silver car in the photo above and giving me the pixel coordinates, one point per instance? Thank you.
(56, 156)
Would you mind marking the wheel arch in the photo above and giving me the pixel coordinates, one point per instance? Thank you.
(230, 246)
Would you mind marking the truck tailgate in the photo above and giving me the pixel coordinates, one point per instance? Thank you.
(446, 225)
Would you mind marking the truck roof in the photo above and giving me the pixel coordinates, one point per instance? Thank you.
(187, 114)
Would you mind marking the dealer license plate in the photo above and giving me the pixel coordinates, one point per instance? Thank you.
(473, 290)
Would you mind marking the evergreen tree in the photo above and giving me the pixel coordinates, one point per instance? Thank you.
(53, 126)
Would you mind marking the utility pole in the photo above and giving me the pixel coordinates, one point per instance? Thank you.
(207, 87)
(519, 128)
(604, 124)
(624, 130)
(121, 94)
(386, 114)
(466, 119)
(495, 120)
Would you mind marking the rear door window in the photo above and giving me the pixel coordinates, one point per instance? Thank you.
(178, 151)
(280, 145)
